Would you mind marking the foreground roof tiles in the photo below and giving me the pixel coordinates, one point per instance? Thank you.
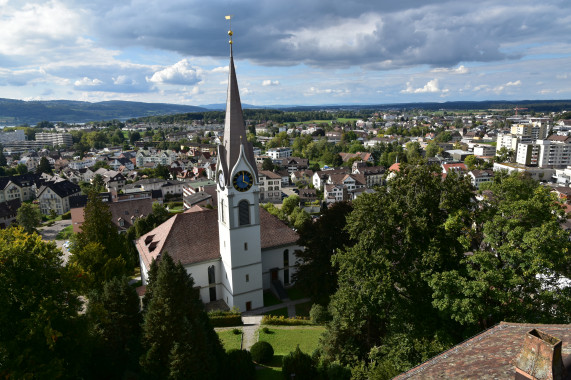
(489, 355)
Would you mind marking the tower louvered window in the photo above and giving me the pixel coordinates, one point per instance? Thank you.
(244, 213)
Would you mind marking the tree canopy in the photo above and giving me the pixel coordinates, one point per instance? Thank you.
(40, 324)
(98, 250)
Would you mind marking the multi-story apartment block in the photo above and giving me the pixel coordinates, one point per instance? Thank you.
(276, 153)
(55, 139)
(554, 152)
(165, 157)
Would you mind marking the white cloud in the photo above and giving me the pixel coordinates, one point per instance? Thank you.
(181, 72)
(86, 82)
(269, 82)
(316, 91)
(431, 86)
(37, 28)
(516, 83)
(220, 69)
(459, 70)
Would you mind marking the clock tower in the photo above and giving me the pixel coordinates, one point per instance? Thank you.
(238, 207)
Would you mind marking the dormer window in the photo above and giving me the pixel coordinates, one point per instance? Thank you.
(149, 239)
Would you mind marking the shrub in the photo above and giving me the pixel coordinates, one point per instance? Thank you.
(262, 352)
(300, 364)
(240, 365)
(236, 331)
(319, 314)
(266, 330)
(281, 320)
(336, 371)
(66, 216)
(220, 318)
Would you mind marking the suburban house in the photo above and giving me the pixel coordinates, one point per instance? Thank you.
(478, 177)
(124, 210)
(270, 186)
(8, 212)
(22, 187)
(56, 195)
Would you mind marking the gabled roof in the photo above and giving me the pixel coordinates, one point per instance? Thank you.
(62, 189)
(9, 208)
(489, 355)
(192, 237)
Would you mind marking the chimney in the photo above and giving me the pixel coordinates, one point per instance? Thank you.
(540, 357)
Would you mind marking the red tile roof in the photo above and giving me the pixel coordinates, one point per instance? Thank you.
(192, 237)
(489, 355)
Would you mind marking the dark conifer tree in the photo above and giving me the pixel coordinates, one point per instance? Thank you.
(178, 340)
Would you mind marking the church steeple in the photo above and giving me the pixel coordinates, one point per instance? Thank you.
(234, 127)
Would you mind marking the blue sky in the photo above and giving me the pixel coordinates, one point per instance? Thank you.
(286, 52)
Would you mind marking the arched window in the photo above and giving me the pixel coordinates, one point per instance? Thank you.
(244, 213)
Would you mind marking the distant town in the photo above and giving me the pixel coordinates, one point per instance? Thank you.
(380, 238)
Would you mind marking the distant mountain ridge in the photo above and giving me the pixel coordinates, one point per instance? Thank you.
(17, 112)
(14, 112)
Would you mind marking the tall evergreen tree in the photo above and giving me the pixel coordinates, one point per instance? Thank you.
(322, 239)
(178, 340)
(115, 325)
(98, 250)
(44, 166)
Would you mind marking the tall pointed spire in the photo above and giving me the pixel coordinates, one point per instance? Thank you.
(234, 127)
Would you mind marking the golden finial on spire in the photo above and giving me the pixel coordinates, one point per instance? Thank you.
(229, 18)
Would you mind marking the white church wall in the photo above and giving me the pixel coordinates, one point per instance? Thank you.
(274, 258)
(199, 273)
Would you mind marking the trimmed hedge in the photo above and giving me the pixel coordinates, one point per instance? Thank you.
(220, 318)
(283, 321)
(262, 352)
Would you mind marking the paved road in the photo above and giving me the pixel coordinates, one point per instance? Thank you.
(50, 233)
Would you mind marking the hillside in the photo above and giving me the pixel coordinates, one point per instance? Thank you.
(13, 112)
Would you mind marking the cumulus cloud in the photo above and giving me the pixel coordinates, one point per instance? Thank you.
(269, 82)
(220, 69)
(181, 72)
(87, 82)
(431, 86)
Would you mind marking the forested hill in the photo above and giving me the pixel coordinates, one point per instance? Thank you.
(14, 112)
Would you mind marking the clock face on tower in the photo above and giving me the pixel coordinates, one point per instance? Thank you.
(243, 180)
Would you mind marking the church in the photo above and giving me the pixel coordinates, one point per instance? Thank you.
(236, 251)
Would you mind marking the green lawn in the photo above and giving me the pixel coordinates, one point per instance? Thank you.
(230, 340)
(270, 299)
(65, 234)
(346, 119)
(284, 340)
(278, 312)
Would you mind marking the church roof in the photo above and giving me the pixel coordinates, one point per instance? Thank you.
(234, 127)
(192, 237)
